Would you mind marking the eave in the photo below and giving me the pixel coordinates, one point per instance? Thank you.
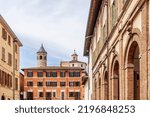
(93, 14)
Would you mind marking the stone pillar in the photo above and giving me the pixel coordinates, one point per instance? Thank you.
(110, 89)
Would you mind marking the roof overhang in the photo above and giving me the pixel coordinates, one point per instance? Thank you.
(93, 14)
(4, 23)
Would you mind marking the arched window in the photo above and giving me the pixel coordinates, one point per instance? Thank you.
(45, 58)
(40, 57)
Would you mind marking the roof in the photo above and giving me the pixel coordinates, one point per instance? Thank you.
(41, 50)
(74, 61)
(93, 14)
(7, 27)
(53, 68)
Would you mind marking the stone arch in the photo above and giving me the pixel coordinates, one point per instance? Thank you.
(114, 76)
(132, 66)
(115, 80)
(135, 32)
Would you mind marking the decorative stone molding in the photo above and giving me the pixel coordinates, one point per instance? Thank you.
(115, 76)
(104, 65)
(129, 28)
(129, 65)
(105, 3)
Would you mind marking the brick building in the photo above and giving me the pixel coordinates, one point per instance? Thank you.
(117, 44)
(9, 62)
(62, 82)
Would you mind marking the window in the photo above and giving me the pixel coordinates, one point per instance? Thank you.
(6, 79)
(40, 94)
(4, 34)
(77, 83)
(77, 74)
(48, 74)
(74, 84)
(72, 65)
(10, 81)
(48, 83)
(16, 49)
(62, 74)
(54, 94)
(62, 95)
(3, 54)
(77, 95)
(71, 94)
(29, 83)
(29, 95)
(74, 74)
(81, 65)
(45, 58)
(53, 84)
(71, 74)
(40, 83)
(3, 78)
(9, 40)
(29, 74)
(0, 76)
(16, 82)
(40, 74)
(16, 64)
(9, 59)
(62, 84)
(53, 74)
(71, 84)
(40, 57)
(48, 96)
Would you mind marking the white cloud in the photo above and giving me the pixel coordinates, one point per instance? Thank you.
(59, 24)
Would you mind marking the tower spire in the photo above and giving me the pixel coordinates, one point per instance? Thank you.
(41, 57)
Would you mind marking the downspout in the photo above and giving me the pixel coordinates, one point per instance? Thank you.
(88, 37)
(13, 78)
(148, 46)
(106, 4)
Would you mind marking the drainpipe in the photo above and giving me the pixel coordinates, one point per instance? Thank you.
(147, 58)
(88, 37)
(106, 4)
(13, 77)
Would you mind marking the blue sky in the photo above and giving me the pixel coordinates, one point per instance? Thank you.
(59, 24)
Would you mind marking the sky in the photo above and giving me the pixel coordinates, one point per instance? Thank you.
(59, 24)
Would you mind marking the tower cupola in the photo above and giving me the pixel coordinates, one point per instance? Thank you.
(74, 56)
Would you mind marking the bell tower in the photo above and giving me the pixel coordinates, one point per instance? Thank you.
(74, 56)
(41, 57)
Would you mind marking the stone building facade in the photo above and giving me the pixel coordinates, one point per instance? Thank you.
(117, 44)
(9, 62)
(62, 82)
